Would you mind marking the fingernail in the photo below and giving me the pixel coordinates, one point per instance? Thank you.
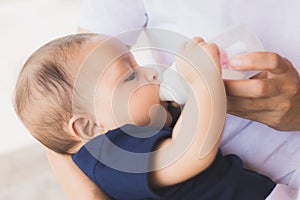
(235, 62)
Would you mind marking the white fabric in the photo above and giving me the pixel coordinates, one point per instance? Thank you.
(275, 22)
(270, 152)
(283, 192)
(265, 150)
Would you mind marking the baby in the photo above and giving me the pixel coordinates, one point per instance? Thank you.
(85, 95)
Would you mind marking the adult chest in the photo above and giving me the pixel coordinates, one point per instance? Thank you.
(276, 23)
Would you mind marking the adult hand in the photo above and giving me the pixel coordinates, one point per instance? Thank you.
(271, 97)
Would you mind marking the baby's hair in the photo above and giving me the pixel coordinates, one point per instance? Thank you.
(43, 93)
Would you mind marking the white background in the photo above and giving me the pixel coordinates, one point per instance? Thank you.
(25, 25)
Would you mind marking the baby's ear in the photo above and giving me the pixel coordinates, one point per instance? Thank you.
(84, 127)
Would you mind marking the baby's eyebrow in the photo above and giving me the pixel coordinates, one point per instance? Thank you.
(121, 70)
(128, 57)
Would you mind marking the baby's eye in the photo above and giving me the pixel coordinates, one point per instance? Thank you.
(131, 76)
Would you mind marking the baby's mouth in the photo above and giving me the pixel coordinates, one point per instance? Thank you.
(165, 104)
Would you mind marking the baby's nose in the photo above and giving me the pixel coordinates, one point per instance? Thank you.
(150, 74)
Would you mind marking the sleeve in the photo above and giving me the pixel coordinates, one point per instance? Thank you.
(111, 17)
(118, 161)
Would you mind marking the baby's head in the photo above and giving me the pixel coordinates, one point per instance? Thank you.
(79, 86)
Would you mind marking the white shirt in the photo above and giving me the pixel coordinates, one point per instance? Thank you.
(276, 23)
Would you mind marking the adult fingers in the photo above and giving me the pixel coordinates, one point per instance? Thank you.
(264, 61)
(253, 88)
(238, 105)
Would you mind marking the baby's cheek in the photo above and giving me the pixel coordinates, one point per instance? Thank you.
(138, 109)
(153, 114)
(141, 102)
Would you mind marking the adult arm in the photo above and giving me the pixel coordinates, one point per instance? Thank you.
(272, 97)
(74, 182)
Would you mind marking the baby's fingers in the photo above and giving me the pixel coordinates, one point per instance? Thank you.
(213, 52)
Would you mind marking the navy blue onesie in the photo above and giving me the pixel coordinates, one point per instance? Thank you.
(225, 179)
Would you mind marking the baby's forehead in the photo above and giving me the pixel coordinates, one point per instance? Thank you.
(102, 53)
(98, 60)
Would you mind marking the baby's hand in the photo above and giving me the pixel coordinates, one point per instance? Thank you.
(192, 49)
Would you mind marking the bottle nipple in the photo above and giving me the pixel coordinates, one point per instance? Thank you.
(173, 87)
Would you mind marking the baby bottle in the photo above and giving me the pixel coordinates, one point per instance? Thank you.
(238, 40)
(233, 42)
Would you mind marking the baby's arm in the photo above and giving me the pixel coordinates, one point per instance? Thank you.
(189, 163)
